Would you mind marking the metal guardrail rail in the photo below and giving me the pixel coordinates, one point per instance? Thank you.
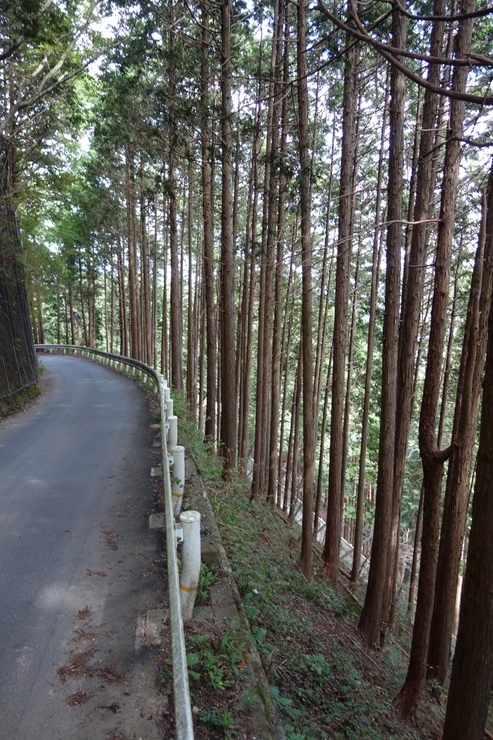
(181, 693)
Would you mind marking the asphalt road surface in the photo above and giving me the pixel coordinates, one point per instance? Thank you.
(78, 569)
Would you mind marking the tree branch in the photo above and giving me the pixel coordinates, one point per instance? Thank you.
(481, 13)
(17, 44)
(387, 52)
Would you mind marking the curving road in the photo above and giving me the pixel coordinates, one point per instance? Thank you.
(77, 567)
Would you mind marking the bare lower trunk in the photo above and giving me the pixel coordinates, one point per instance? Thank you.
(335, 493)
(372, 622)
(464, 430)
(432, 458)
(228, 385)
(472, 671)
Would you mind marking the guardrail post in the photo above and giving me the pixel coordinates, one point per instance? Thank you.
(190, 562)
(169, 407)
(177, 477)
(172, 431)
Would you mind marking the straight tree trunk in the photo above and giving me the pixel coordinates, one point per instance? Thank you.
(145, 275)
(192, 305)
(164, 308)
(176, 318)
(176, 285)
(154, 291)
(325, 300)
(248, 303)
(472, 670)
(335, 493)
(464, 431)
(265, 333)
(228, 385)
(377, 251)
(122, 311)
(208, 217)
(292, 479)
(373, 616)
(285, 350)
(133, 288)
(58, 312)
(71, 312)
(432, 458)
(323, 303)
(277, 331)
(414, 565)
(413, 281)
(306, 557)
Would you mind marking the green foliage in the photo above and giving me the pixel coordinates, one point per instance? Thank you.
(13, 404)
(216, 662)
(217, 719)
(208, 464)
(319, 694)
(207, 578)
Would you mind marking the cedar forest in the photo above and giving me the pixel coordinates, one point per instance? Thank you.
(288, 209)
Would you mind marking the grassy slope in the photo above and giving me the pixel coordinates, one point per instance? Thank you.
(327, 683)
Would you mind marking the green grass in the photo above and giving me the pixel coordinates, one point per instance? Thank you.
(324, 680)
(13, 404)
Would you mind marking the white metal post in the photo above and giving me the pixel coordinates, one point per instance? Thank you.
(190, 562)
(172, 431)
(177, 477)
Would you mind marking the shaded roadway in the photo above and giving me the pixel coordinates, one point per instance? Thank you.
(78, 569)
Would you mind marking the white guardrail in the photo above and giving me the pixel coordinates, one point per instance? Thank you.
(183, 711)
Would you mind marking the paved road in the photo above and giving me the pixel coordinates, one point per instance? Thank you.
(77, 567)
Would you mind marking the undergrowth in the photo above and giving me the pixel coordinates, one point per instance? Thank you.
(324, 680)
(16, 402)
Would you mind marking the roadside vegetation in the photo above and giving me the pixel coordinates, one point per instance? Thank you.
(325, 680)
(12, 404)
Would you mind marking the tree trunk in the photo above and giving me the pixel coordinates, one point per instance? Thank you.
(413, 281)
(432, 458)
(265, 332)
(176, 318)
(335, 493)
(164, 308)
(464, 431)
(228, 385)
(306, 557)
(414, 565)
(248, 303)
(277, 331)
(472, 670)
(377, 253)
(208, 216)
(133, 289)
(145, 275)
(373, 615)
(192, 305)
(292, 479)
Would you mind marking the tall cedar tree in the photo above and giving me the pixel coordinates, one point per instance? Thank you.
(457, 488)
(208, 216)
(335, 491)
(432, 458)
(228, 389)
(373, 616)
(306, 557)
(472, 670)
(412, 293)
